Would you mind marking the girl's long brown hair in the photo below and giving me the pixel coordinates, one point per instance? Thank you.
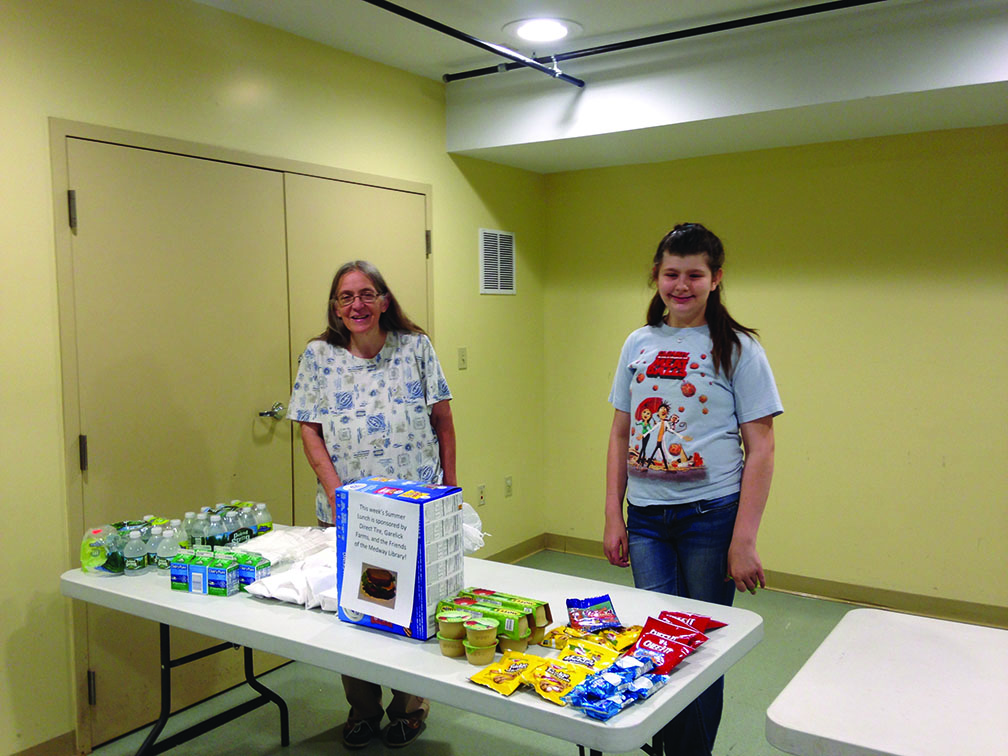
(693, 239)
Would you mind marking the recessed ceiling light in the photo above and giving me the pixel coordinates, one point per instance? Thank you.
(542, 29)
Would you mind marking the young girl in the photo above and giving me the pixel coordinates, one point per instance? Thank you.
(690, 527)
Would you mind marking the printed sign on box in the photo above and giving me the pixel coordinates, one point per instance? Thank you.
(400, 552)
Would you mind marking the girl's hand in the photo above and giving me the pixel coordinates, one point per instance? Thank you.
(745, 568)
(614, 541)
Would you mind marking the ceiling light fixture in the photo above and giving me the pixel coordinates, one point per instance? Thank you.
(542, 29)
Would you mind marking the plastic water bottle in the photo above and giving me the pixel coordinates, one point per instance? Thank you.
(188, 523)
(176, 528)
(135, 555)
(199, 534)
(216, 534)
(152, 545)
(264, 520)
(166, 551)
(246, 517)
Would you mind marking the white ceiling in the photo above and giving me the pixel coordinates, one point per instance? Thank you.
(912, 65)
(380, 35)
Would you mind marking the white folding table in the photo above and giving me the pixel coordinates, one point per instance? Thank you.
(321, 639)
(890, 684)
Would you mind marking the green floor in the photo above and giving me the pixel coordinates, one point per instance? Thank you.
(793, 627)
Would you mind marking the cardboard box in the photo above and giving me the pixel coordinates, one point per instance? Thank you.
(251, 567)
(541, 616)
(199, 565)
(399, 553)
(514, 622)
(180, 571)
(222, 576)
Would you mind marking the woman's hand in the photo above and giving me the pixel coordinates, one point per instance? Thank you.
(614, 538)
(614, 541)
(745, 567)
(318, 457)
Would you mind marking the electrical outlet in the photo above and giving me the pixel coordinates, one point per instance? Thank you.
(481, 489)
(463, 358)
(507, 486)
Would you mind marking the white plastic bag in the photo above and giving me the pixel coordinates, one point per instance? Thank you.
(472, 530)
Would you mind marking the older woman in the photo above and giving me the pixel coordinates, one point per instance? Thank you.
(371, 399)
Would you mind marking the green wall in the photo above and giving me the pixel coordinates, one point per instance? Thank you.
(876, 271)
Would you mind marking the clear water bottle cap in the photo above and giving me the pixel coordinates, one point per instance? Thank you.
(190, 514)
(169, 533)
(214, 518)
(201, 516)
(134, 534)
(156, 530)
(261, 505)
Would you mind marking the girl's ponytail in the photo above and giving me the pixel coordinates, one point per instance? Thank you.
(693, 239)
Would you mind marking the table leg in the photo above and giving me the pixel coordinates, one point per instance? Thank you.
(151, 747)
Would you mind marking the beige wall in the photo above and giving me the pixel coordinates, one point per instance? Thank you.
(182, 70)
(876, 271)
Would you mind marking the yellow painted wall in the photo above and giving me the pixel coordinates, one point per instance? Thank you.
(182, 70)
(876, 270)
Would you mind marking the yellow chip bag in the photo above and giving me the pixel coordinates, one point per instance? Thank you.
(555, 679)
(591, 656)
(505, 675)
(619, 638)
(559, 636)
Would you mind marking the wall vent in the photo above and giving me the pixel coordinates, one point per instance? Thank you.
(497, 262)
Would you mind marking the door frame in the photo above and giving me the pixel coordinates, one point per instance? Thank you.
(59, 131)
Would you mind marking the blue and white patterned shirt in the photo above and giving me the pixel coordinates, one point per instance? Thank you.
(374, 413)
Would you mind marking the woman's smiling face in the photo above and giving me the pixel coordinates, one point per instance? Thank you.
(684, 283)
(359, 316)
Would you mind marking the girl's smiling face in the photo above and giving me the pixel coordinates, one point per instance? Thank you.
(684, 283)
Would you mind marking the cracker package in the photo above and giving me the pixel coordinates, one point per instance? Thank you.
(505, 676)
(555, 679)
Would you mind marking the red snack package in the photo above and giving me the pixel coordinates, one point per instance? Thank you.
(675, 630)
(663, 652)
(696, 621)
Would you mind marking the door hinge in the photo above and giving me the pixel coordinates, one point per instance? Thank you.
(82, 448)
(427, 240)
(72, 208)
(92, 695)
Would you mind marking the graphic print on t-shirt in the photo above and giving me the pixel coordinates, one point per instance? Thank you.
(659, 442)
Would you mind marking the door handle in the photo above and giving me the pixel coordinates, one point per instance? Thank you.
(276, 411)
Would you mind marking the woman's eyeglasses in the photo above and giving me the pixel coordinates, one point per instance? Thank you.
(367, 297)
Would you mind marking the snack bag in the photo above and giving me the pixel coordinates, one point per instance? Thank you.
(558, 637)
(619, 638)
(698, 622)
(675, 629)
(591, 656)
(555, 679)
(505, 676)
(592, 614)
(663, 653)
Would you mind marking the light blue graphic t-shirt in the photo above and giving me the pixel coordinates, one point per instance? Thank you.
(685, 443)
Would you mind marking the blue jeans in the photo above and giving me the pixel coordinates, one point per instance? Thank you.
(682, 550)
